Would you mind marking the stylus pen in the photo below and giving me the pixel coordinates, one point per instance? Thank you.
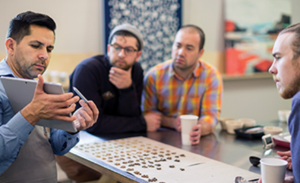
(80, 94)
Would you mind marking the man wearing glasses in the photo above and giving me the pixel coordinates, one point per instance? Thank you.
(115, 83)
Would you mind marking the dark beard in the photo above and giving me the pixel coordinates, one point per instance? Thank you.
(125, 68)
(295, 85)
(293, 89)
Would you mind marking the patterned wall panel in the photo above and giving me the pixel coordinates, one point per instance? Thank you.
(158, 20)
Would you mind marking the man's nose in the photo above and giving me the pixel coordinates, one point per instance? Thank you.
(43, 55)
(272, 69)
(181, 51)
(122, 53)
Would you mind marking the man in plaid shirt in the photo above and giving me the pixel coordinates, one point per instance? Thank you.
(183, 85)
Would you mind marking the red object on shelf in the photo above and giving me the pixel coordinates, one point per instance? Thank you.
(237, 60)
(263, 65)
(229, 26)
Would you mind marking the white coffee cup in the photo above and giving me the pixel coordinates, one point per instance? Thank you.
(54, 76)
(223, 124)
(273, 170)
(63, 76)
(272, 130)
(247, 122)
(232, 125)
(187, 123)
(283, 115)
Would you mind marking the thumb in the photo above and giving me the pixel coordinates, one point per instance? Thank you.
(40, 83)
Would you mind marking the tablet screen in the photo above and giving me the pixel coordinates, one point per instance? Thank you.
(20, 92)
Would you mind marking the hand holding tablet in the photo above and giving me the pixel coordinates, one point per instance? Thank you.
(20, 93)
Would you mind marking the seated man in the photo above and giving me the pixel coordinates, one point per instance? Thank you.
(285, 71)
(184, 85)
(27, 152)
(115, 83)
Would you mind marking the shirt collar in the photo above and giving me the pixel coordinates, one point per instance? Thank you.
(196, 72)
(5, 69)
(297, 95)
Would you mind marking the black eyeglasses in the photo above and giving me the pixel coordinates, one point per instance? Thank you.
(127, 50)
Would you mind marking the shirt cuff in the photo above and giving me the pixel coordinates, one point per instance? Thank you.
(124, 90)
(66, 134)
(20, 126)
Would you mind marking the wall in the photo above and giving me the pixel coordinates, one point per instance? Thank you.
(209, 16)
(79, 35)
(252, 98)
(79, 27)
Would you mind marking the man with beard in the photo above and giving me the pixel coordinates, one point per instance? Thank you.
(115, 83)
(286, 74)
(27, 153)
(184, 85)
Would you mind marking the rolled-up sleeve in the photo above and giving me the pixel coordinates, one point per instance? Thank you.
(61, 141)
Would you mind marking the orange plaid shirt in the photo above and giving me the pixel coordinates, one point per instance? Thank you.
(200, 94)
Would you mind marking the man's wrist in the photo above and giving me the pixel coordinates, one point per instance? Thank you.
(169, 121)
(29, 115)
(125, 89)
(205, 128)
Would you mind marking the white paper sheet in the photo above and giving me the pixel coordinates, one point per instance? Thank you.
(145, 157)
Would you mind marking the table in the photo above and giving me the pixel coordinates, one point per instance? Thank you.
(219, 146)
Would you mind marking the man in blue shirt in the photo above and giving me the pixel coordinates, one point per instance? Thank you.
(27, 154)
(286, 74)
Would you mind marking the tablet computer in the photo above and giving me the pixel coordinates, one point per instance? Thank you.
(20, 93)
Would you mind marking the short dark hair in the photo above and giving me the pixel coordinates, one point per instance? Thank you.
(19, 26)
(125, 33)
(295, 28)
(199, 31)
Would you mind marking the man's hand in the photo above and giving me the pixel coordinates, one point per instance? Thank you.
(286, 155)
(153, 120)
(87, 115)
(178, 124)
(49, 106)
(195, 135)
(120, 78)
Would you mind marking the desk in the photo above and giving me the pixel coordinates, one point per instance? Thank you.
(219, 146)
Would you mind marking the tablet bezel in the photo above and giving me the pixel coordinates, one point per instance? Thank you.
(20, 92)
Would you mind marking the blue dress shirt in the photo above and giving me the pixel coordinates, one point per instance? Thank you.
(15, 129)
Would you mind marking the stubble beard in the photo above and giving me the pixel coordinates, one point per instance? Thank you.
(28, 71)
(125, 66)
(179, 66)
(182, 66)
(294, 87)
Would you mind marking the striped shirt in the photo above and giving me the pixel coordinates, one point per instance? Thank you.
(200, 94)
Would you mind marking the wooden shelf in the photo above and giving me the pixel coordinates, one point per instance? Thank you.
(264, 75)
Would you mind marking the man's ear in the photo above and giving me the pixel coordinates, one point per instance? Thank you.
(139, 53)
(200, 53)
(107, 48)
(10, 45)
